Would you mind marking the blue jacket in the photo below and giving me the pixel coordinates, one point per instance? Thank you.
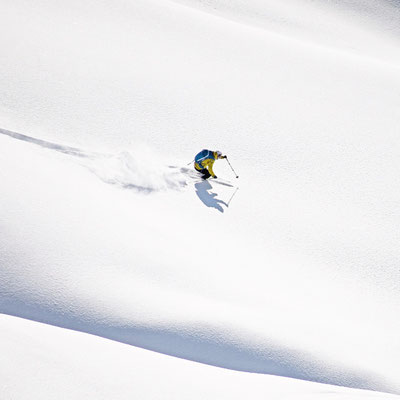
(205, 159)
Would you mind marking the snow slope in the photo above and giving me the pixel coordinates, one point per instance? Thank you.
(74, 365)
(106, 231)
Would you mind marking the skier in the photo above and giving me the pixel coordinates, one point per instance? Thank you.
(204, 161)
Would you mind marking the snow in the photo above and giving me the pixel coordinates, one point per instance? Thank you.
(114, 256)
(97, 368)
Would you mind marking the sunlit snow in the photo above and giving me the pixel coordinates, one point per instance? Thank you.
(124, 275)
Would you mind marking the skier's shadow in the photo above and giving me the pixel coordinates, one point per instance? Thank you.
(209, 198)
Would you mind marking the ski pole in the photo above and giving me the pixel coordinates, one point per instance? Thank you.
(237, 176)
(190, 162)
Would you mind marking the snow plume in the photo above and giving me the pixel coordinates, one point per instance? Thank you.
(140, 168)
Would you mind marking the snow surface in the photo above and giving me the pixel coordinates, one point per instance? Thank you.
(290, 271)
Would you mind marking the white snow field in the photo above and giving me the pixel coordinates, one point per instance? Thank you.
(115, 256)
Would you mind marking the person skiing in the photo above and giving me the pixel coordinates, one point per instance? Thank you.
(204, 161)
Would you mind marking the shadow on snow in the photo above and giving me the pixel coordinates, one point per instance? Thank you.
(209, 198)
(221, 348)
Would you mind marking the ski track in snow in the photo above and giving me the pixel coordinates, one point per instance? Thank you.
(133, 171)
(127, 170)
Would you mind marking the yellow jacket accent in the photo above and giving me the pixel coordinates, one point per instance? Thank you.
(207, 163)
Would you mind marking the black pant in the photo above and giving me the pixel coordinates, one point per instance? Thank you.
(205, 172)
